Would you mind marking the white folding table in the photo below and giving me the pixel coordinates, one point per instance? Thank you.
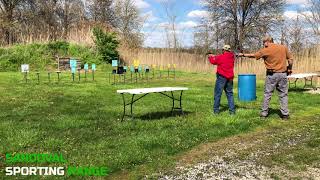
(306, 76)
(145, 91)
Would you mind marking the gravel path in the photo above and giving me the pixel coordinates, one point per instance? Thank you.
(241, 158)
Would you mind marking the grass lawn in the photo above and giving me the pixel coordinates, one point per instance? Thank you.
(81, 121)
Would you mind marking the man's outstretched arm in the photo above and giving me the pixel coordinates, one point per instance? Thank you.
(247, 55)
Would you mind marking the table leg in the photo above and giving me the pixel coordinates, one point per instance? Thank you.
(131, 104)
(312, 84)
(315, 86)
(173, 99)
(172, 102)
(124, 107)
(295, 83)
(181, 102)
(306, 80)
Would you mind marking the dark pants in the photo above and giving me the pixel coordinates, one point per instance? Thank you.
(227, 85)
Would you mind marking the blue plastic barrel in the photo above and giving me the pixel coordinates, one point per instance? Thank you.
(247, 87)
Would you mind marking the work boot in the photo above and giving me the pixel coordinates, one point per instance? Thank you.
(232, 113)
(285, 117)
(263, 117)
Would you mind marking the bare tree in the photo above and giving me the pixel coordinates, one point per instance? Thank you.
(102, 11)
(37, 20)
(48, 12)
(203, 37)
(208, 32)
(314, 18)
(128, 23)
(8, 13)
(171, 27)
(51, 20)
(242, 22)
(296, 35)
(69, 12)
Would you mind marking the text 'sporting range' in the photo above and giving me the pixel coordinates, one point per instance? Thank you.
(60, 167)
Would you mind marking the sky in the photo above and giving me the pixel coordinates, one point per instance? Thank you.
(187, 13)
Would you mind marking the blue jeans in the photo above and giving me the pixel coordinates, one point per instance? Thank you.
(227, 85)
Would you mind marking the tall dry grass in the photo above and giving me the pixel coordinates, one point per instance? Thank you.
(81, 33)
(162, 57)
(305, 62)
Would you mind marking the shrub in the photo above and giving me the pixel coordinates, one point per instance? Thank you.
(41, 56)
(85, 54)
(106, 43)
(34, 54)
(58, 47)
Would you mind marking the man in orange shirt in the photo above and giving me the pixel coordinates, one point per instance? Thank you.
(275, 58)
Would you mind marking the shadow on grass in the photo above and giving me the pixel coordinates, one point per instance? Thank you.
(271, 110)
(275, 111)
(226, 108)
(297, 89)
(163, 114)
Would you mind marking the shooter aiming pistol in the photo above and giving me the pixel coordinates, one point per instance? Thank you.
(238, 53)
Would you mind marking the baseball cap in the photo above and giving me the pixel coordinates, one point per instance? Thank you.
(267, 38)
(227, 47)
